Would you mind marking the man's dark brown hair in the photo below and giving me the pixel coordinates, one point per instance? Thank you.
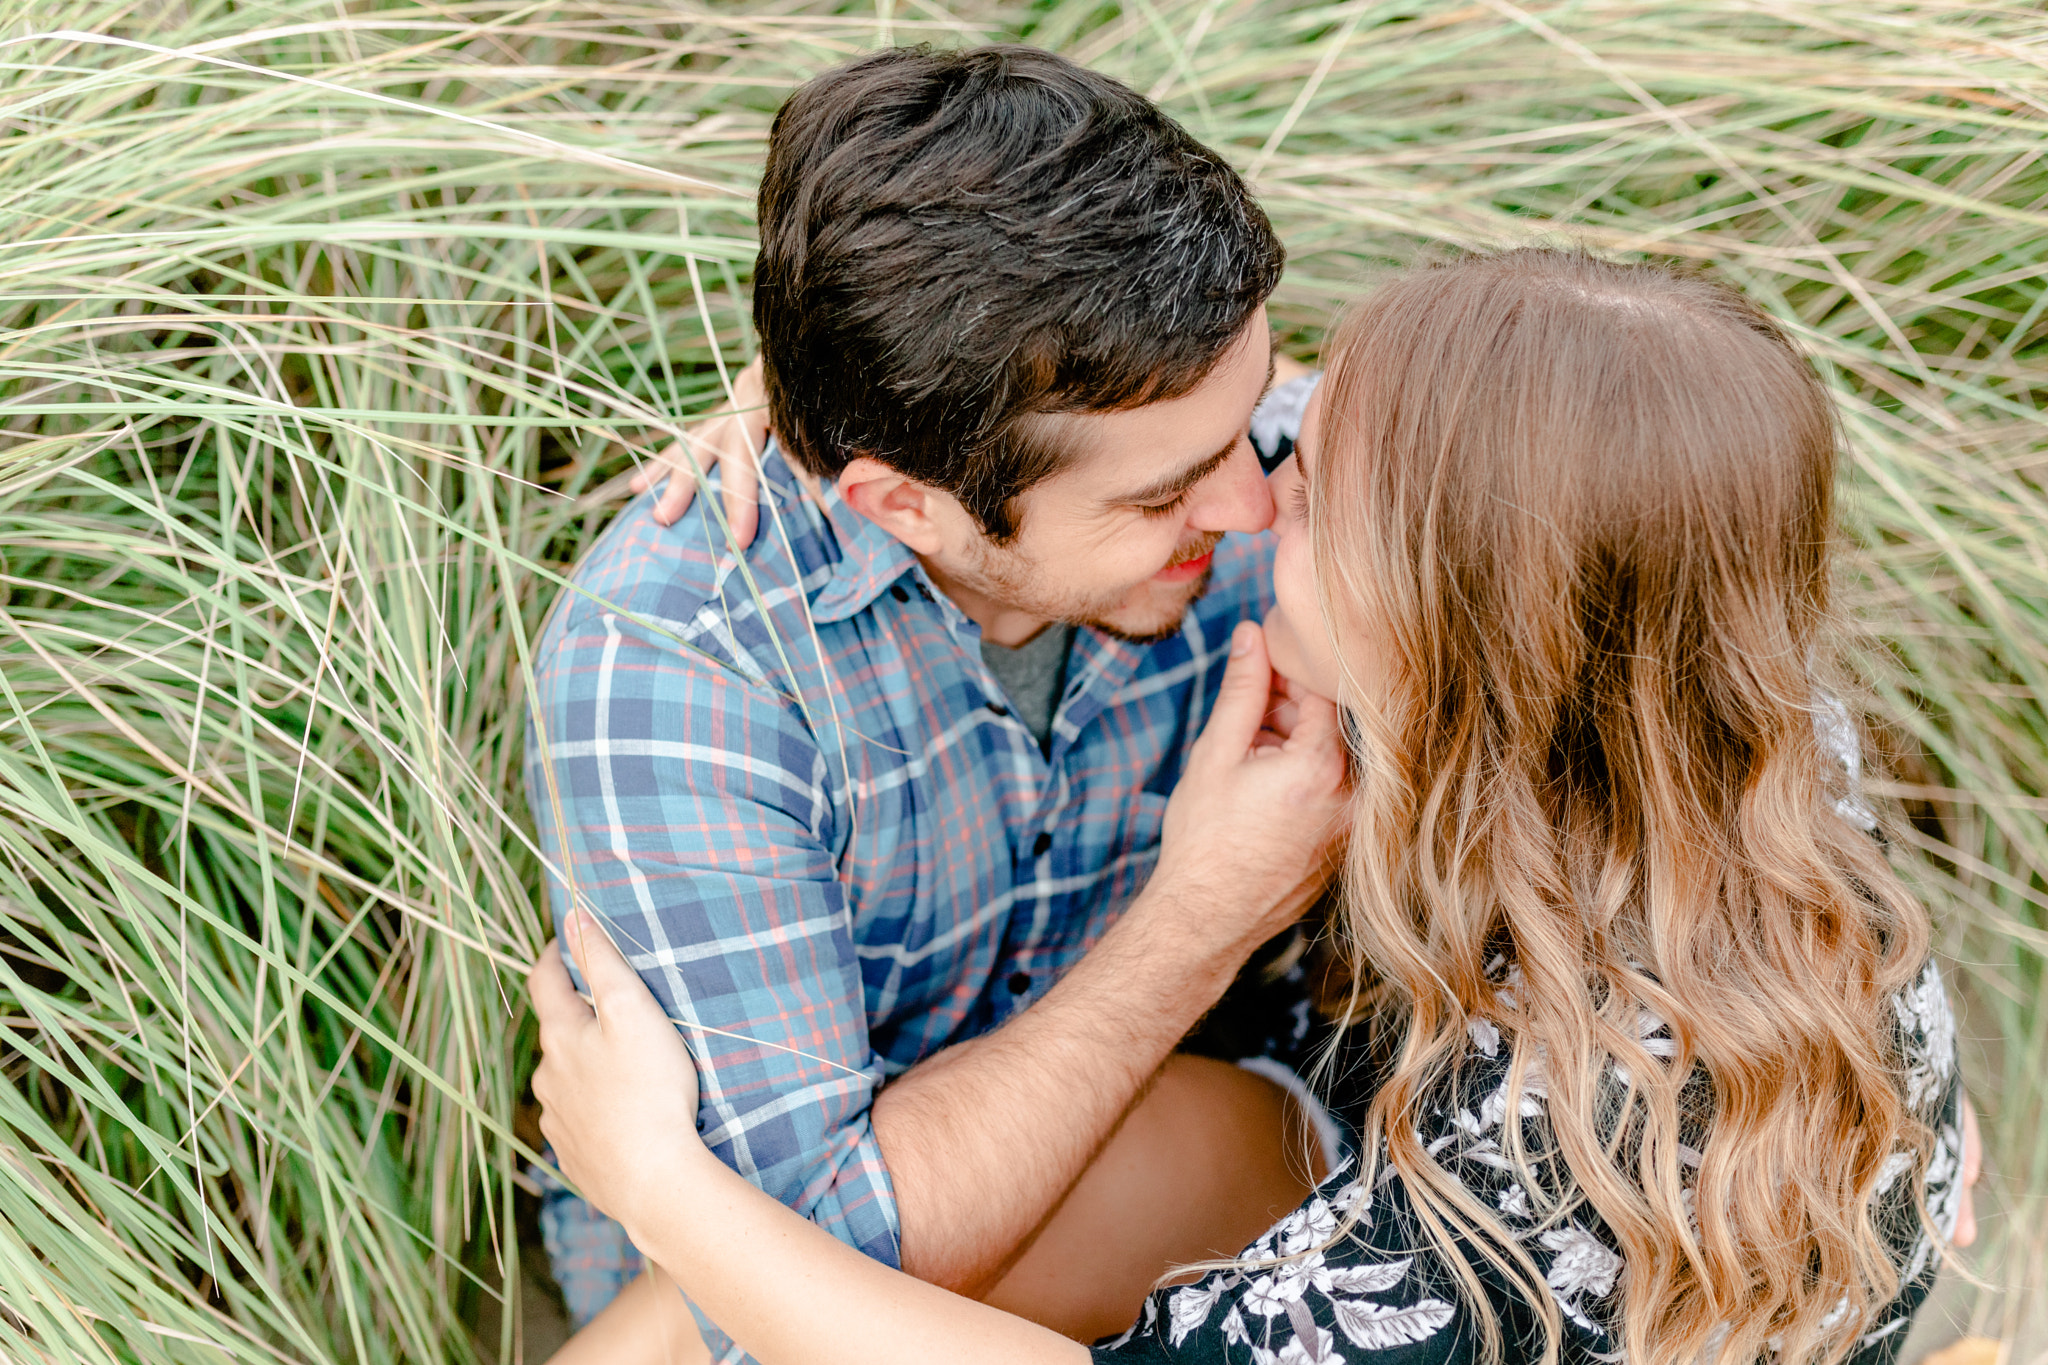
(954, 241)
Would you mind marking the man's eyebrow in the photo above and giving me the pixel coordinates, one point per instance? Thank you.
(1173, 485)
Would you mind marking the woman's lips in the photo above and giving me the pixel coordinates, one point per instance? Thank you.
(1187, 569)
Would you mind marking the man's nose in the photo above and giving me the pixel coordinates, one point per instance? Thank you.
(1237, 499)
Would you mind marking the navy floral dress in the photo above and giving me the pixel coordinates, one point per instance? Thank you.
(1387, 1295)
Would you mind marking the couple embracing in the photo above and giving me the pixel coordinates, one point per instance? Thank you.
(1381, 847)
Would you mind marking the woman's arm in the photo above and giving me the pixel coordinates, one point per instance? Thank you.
(617, 1086)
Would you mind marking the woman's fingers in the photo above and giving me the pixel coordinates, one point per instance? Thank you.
(1973, 1145)
(616, 990)
(743, 491)
(554, 996)
(681, 489)
(739, 456)
(604, 969)
(1973, 1167)
(560, 1012)
(731, 439)
(730, 442)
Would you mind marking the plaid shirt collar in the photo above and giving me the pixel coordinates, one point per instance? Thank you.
(870, 559)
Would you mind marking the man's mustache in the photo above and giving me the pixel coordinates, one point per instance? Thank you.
(1195, 551)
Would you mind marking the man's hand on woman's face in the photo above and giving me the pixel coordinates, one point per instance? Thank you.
(1283, 713)
(617, 1086)
(1252, 828)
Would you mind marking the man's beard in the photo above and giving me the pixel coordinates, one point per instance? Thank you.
(1019, 584)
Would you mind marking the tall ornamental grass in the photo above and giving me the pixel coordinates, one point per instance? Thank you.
(327, 331)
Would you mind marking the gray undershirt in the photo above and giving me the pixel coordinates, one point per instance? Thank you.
(1034, 674)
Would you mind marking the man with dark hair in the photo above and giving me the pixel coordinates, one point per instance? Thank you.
(878, 805)
(955, 245)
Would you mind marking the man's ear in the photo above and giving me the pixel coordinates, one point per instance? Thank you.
(906, 509)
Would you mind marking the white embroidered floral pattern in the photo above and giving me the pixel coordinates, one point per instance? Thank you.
(1923, 1008)
(1581, 1267)
(1306, 1296)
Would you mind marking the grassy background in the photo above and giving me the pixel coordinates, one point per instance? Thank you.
(326, 329)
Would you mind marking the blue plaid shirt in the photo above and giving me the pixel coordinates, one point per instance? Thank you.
(799, 799)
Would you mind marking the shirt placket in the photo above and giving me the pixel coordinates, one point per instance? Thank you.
(1100, 667)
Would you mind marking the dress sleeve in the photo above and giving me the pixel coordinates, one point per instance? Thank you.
(1276, 422)
(1934, 1088)
(1305, 1296)
(1386, 1290)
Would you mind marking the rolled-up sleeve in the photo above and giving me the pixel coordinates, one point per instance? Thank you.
(686, 806)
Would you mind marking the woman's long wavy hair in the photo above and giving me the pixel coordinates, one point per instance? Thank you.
(1572, 521)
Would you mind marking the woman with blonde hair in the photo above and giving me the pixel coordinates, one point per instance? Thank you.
(1650, 1059)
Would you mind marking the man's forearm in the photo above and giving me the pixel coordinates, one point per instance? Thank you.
(984, 1139)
